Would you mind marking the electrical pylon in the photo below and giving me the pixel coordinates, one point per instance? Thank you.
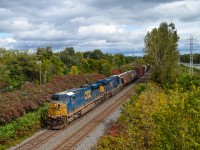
(191, 56)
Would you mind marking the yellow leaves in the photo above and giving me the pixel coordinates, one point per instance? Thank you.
(151, 100)
(158, 120)
(163, 114)
(74, 70)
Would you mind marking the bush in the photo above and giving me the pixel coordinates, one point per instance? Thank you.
(140, 88)
(22, 127)
(156, 119)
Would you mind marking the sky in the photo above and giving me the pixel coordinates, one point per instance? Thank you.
(113, 26)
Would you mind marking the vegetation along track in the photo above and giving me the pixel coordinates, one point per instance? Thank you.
(71, 141)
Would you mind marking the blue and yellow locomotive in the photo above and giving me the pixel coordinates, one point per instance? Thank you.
(68, 105)
(71, 104)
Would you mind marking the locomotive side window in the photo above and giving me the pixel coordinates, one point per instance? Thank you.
(72, 97)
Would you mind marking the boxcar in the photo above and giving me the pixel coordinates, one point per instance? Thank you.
(143, 67)
(138, 71)
(128, 76)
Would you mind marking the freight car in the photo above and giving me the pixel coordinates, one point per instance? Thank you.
(128, 76)
(71, 104)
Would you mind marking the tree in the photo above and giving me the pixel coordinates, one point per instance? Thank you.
(87, 54)
(70, 51)
(4, 70)
(68, 56)
(74, 70)
(119, 60)
(21, 66)
(161, 51)
(85, 66)
(96, 54)
(186, 58)
(44, 53)
(106, 68)
(56, 66)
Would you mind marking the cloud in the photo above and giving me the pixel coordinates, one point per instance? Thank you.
(100, 30)
(7, 43)
(42, 33)
(12, 26)
(179, 10)
(109, 25)
(98, 43)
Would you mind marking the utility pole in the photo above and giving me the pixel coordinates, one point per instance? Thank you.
(45, 77)
(40, 63)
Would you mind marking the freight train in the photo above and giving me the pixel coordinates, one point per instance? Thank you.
(68, 105)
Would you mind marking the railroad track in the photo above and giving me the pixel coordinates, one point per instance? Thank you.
(40, 139)
(71, 141)
(37, 141)
(145, 78)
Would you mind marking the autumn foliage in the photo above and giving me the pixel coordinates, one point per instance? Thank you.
(157, 119)
(31, 96)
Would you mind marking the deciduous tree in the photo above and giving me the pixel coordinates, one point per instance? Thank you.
(74, 70)
(161, 51)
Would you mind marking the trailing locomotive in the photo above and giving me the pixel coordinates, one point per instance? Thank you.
(71, 104)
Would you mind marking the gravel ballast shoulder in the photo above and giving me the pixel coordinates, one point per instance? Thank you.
(90, 141)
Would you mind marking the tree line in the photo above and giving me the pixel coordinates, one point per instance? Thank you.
(17, 67)
(185, 58)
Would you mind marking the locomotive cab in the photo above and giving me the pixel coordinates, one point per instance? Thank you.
(57, 111)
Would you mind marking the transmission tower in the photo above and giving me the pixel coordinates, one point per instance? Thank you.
(191, 55)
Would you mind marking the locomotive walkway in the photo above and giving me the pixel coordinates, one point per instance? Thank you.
(78, 130)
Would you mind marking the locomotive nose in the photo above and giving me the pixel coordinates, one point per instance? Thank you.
(56, 110)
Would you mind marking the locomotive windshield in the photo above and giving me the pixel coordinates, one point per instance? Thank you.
(55, 97)
(60, 97)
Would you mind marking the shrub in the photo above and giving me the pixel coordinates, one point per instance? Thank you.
(25, 126)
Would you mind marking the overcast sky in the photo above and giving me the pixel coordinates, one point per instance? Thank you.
(113, 26)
